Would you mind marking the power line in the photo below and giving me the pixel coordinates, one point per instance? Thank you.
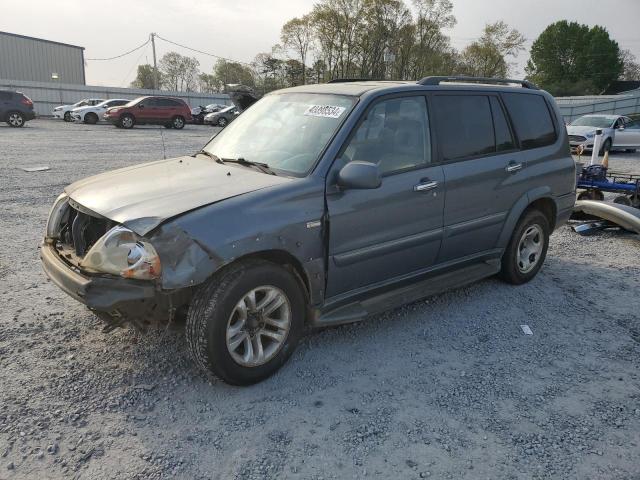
(203, 53)
(119, 56)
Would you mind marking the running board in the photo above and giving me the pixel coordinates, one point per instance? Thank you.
(356, 311)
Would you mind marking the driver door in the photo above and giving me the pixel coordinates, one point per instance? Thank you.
(379, 235)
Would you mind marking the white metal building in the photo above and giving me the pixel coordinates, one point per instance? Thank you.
(37, 60)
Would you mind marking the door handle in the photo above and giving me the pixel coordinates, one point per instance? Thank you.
(513, 167)
(426, 186)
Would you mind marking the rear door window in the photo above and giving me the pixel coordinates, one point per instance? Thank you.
(531, 119)
(504, 139)
(465, 126)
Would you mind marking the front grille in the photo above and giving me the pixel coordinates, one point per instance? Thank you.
(577, 138)
(81, 230)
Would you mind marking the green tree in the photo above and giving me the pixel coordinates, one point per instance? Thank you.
(145, 77)
(226, 72)
(297, 35)
(488, 56)
(179, 73)
(573, 59)
(631, 67)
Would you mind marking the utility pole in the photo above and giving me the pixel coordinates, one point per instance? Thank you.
(156, 81)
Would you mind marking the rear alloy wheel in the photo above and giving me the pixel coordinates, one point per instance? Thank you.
(177, 122)
(222, 122)
(91, 118)
(527, 248)
(245, 322)
(15, 119)
(127, 121)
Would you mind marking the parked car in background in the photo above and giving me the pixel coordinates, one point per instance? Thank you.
(168, 111)
(222, 117)
(320, 205)
(198, 113)
(93, 113)
(15, 108)
(582, 131)
(627, 136)
(64, 111)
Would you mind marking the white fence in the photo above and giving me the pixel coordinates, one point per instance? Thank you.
(47, 95)
(623, 104)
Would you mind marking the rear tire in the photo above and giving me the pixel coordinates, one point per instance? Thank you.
(127, 121)
(527, 248)
(91, 118)
(15, 119)
(177, 122)
(243, 352)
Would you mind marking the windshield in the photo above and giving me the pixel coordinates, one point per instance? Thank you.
(81, 103)
(287, 131)
(598, 122)
(133, 102)
(226, 109)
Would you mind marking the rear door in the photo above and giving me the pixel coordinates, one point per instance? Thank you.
(482, 172)
(383, 234)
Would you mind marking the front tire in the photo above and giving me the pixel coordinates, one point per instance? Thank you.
(222, 122)
(606, 146)
(91, 118)
(527, 248)
(244, 323)
(15, 120)
(67, 116)
(127, 121)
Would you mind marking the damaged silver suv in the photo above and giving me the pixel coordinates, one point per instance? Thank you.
(320, 205)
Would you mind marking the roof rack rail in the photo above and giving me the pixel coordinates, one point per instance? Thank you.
(463, 78)
(347, 80)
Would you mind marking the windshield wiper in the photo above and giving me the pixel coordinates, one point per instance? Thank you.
(242, 161)
(211, 155)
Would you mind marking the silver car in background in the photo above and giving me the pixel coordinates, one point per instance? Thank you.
(582, 131)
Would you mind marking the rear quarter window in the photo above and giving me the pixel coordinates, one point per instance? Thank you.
(531, 120)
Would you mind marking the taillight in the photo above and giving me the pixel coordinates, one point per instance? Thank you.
(26, 101)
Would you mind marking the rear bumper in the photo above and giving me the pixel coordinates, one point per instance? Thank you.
(96, 292)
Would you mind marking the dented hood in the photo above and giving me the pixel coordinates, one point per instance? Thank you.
(143, 196)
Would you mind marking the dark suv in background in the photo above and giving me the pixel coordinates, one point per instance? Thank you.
(15, 108)
(168, 111)
(319, 205)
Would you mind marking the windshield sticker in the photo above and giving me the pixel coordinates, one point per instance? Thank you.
(326, 111)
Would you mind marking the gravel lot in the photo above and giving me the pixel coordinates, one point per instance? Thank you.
(449, 387)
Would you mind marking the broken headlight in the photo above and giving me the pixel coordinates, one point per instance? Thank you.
(121, 252)
(58, 211)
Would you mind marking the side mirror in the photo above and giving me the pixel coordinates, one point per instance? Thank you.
(621, 127)
(141, 106)
(359, 175)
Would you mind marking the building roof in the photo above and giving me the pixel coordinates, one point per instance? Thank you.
(40, 40)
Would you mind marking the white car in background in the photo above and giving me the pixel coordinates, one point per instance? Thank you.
(93, 113)
(64, 111)
(582, 131)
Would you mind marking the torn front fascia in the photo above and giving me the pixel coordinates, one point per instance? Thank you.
(184, 262)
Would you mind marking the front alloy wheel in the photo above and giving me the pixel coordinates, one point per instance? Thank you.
(244, 323)
(15, 120)
(258, 326)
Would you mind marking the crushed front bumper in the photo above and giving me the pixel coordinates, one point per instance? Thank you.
(101, 293)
